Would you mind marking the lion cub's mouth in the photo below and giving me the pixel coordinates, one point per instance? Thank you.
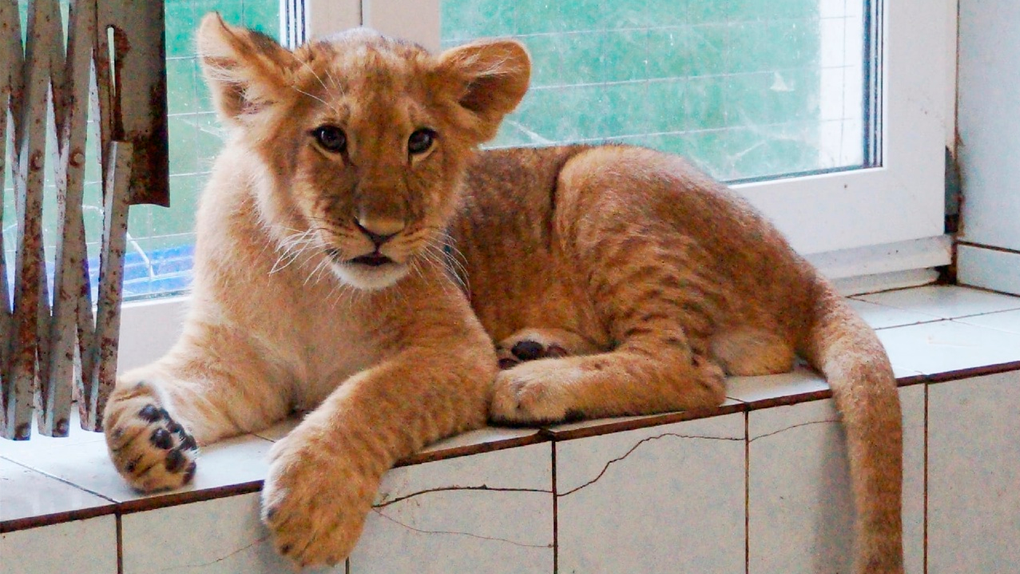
(373, 260)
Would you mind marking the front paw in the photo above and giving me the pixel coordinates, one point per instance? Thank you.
(150, 449)
(531, 393)
(315, 501)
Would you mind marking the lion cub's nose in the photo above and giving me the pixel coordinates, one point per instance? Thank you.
(379, 230)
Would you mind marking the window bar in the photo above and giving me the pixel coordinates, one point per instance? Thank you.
(103, 362)
(70, 86)
(11, 59)
(30, 160)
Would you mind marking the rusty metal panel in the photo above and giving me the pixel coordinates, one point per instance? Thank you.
(133, 91)
(101, 380)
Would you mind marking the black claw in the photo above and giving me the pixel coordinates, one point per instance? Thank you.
(555, 352)
(505, 364)
(188, 443)
(174, 460)
(190, 472)
(528, 350)
(132, 465)
(150, 413)
(175, 427)
(285, 549)
(161, 439)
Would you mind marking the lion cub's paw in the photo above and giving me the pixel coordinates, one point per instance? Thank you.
(314, 501)
(532, 393)
(150, 449)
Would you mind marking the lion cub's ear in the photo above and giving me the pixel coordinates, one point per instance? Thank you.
(245, 70)
(488, 79)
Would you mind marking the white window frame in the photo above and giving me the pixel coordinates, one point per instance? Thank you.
(885, 222)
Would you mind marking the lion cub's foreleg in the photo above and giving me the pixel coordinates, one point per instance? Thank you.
(159, 415)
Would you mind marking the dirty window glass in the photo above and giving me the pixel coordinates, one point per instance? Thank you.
(749, 89)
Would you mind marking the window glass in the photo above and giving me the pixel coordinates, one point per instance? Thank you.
(160, 240)
(747, 88)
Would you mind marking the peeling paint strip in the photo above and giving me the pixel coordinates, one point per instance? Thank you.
(30, 155)
(111, 279)
(71, 102)
(10, 74)
(53, 395)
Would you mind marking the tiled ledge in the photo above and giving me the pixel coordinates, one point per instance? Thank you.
(932, 334)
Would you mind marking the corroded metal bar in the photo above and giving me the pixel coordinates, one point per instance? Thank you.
(70, 108)
(11, 57)
(30, 153)
(135, 109)
(111, 277)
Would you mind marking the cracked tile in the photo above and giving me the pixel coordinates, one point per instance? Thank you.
(974, 470)
(800, 513)
(221, 536)
(487, 513)
(81, 546)
(665, 498)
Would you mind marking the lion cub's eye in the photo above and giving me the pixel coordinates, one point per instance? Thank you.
(331, 138)
(420, 141)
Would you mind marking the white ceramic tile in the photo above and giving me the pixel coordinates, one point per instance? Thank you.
(485, 513)
(974, 472)
(945, 346)
(912, 405)
(25, 493)
(801, 381)
(233, 461)
(81, 547)
(989, 268)
(883, 317)
(221, 536)
(663, 499)
(944, 301)
(1008, 321)
(800, 512)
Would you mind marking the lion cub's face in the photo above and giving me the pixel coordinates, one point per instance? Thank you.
(363, 139)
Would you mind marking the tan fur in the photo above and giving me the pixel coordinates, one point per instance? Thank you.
(641, 281)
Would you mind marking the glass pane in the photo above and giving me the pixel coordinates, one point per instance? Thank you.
(748, 89)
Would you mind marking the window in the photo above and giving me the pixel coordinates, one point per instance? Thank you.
(829, 115)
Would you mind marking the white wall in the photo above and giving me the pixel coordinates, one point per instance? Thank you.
(989, 143)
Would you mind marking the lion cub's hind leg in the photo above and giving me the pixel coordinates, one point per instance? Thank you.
(752, 352)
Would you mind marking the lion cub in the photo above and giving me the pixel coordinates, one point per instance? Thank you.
(616, 280)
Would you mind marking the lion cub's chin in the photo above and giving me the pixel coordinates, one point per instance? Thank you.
(368, 277)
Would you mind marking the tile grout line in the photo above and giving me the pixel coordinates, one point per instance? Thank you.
(555, 509)
(120, 543)
(747, 492)
(924, 487)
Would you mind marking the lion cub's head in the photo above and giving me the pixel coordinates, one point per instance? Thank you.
(362, 140)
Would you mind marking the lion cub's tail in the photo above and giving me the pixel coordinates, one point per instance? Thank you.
(846, 350)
